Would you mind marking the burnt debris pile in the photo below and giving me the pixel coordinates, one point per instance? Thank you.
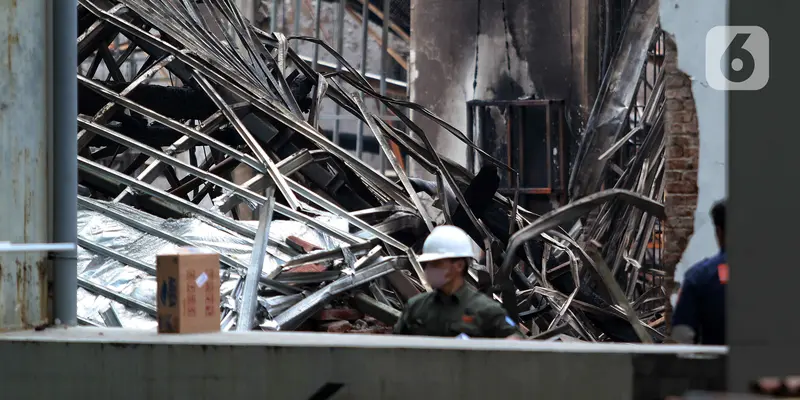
(330, 245)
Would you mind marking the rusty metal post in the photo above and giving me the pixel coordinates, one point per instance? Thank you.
(23, 161)
(65, 162)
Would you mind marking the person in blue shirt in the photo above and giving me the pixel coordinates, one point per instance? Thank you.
(699, 315)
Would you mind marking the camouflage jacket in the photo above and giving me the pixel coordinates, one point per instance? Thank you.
(466, 311)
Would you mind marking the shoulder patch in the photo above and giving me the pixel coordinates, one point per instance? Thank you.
(724, 273)
(510, 322)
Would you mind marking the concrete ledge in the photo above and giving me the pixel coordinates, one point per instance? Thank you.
(302, 339)
(98, 363)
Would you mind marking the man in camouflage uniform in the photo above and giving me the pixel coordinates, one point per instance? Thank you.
(454, 308)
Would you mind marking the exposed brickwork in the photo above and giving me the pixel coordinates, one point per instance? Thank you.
(338, 327)
(336, 314)
(682, 135)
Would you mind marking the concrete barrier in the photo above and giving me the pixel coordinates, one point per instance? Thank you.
(95, 363)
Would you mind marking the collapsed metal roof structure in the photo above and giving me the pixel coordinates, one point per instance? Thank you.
(331, 229)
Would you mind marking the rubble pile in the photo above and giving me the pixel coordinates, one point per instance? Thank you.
(334, 245)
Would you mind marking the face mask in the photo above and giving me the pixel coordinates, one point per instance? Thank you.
(437, 277)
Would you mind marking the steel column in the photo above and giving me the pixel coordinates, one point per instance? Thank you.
(65, 165)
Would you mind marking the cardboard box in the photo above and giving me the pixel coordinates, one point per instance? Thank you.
(188, 291)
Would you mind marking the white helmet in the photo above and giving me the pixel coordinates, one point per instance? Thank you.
(445, 242)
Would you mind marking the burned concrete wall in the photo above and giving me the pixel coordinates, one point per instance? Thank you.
(500, 50)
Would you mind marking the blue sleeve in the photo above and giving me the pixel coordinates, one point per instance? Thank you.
(686, 310)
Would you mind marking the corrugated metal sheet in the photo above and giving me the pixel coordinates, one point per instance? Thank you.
(23, 161)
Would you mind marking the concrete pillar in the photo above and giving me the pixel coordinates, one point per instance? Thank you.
(500, 50)
(24, 169)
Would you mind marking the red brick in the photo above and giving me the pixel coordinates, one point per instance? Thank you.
(683, 229)
(681, 211)
(681, 200)
(686, 140)
(310, 268)
(672, 249)
(307, 246)
(670, 259)
(689, 176)
(680, 226)
(680, 164)
(672, 176)
(672, 244)
(683, 241)
(675, 151)
(676, 245)
(680, 174)
(681, 92)
(677, 215)
(681, 127)
(674, 105)
(375, 330)
(359, 324)
(338, 327)
(689, 105)
(681, 187)
(674, 81)
(337, 314)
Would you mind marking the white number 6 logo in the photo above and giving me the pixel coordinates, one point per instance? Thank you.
(737, 58)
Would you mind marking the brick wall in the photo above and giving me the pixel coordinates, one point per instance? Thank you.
(680, 124)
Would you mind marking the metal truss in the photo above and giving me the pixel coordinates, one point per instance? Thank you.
(242, 99)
